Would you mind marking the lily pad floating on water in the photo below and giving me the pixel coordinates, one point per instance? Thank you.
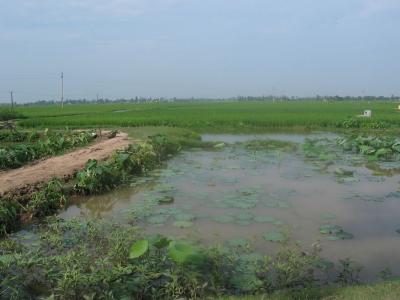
(275, 236)
(343, 172)
(219, 146)
(347, 180)
(165, 199)
(264, 219)
(184, 217)
(157, 219)
(268, 219)
(164, 188)
(183, 224)
(277, 204)
(224, 219)
(244, 216)
(335, 232)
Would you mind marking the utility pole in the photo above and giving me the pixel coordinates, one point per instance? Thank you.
(12, 99)
(62, 89)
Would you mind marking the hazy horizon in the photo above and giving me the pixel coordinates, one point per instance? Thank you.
(201, 49)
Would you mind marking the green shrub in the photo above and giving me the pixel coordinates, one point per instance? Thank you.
(9, 114)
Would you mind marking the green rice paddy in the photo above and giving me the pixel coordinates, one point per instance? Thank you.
(215, 116)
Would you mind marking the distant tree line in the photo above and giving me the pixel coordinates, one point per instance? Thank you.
(269, 98)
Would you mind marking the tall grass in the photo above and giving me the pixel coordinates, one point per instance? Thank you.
(214, 114)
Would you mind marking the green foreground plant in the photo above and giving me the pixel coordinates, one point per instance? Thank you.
(102, 260)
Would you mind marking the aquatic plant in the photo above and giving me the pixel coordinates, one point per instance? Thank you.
(48, 200)
(138, 158)
(374, 147)
(101, 260)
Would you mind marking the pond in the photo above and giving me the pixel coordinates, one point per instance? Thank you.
(243, 192)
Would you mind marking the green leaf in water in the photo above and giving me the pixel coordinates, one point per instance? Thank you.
(183, 224)
(224, 219)
(244, 216)
(157, 219)
(335, 232)
(184, 217)
(165, 199)
(343, 172)
(264, 219)
(275, 236)
(330, 229)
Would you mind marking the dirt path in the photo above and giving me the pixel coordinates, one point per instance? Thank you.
(60, 166)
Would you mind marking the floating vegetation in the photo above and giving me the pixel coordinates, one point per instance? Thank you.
(182, 216)
(268, 145)
(157, 219)
(268, 219)
(224, 219)
(238, 243)
(364, 197)
(183, 224)
(240, 218)
(343, 172)
(335, 232)
(277, 204)
(276, 237)
(374, 147)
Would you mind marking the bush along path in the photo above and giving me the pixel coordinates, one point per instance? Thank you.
(38, 200)
(15, 156)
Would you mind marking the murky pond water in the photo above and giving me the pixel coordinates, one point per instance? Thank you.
(266, 197)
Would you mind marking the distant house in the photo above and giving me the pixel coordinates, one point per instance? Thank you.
(367, 113)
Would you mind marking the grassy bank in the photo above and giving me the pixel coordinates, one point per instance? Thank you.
(151, 147)
(385, 290)
(206, 116)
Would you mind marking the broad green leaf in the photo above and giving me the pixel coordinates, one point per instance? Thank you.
(138, 249)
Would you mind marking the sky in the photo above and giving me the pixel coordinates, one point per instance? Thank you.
(198, 48)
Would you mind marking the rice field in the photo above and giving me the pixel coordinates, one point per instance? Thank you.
(215, 116)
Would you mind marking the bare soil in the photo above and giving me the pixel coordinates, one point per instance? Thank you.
(60, 166)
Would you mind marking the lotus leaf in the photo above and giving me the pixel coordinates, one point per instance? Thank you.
(183, 224)
(138, 249)
(275, 236)
(184, 253)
